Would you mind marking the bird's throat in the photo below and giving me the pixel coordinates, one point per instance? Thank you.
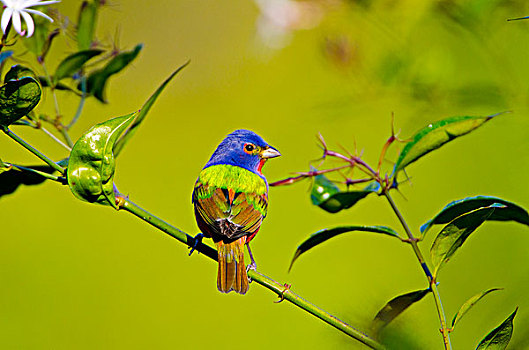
(260, 166)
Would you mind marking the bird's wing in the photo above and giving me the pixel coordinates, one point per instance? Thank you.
(229, 214)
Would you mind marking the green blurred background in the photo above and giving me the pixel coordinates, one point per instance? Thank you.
(81, 276)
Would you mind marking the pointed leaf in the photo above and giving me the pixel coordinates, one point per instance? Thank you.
(469, 304)
(18, 98)
(328, 196)
(143, 112)
(63, 162)
(73, 63)
(396, 306)
(11, 178)
(58, 86)
(47, 44)
(510, 211)
(453, 235)
(91, 165)
(435, 135)
(97, 80)
(3, 167)
(322, 189)
(325, 234)
(86, 24)
(499, 337)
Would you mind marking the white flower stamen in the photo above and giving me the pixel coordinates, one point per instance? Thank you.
(14, 9)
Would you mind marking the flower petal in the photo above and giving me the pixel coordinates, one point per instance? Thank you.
(38, 13)
(29, 3)
(6, 16)
(6, 3)
(29, 23)
(17, 24)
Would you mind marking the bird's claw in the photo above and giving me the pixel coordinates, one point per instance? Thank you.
(251, 266)
(282, 296)
(198, 240)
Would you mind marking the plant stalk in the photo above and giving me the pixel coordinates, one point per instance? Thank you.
(441, 314)
(81, 104)
(283, 291)
(52, 177)
(431, 281)
(34, 150)
(58, 125)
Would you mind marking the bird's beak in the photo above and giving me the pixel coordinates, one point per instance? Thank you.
(269, 152)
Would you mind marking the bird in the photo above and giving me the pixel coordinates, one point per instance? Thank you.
(230, 200)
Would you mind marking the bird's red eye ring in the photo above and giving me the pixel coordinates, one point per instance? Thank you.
(249, 148)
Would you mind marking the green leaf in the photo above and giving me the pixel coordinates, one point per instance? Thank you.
(47, 44)
(97, 80)
(127, 135)
(86, 24)
(63, 162)
(73, 63)
(11, 178)
(499, 337)
(322, 189)
(328, 196)
(18, 71)
(91, 165)
(509, 211)
(18, 98)
(3, 167)
(453, 235)
(395, 307)
(59, 86)
(469, 304)
(325, 234)
(435, 135)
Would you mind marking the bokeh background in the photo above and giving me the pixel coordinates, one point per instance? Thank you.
(81, 276)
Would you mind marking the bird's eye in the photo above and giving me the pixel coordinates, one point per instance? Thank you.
(249, 148)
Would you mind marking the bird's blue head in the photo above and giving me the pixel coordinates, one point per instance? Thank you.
(245, 149)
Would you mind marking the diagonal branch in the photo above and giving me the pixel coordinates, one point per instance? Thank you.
(283, 291)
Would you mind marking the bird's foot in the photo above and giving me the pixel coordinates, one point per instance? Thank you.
(198, 240)
(252, 266)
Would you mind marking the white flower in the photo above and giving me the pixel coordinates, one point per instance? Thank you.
(13, 9)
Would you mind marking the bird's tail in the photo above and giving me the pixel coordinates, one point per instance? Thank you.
(232, 271)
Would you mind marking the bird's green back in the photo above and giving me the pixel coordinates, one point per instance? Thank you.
(233, 177)
(236, 179)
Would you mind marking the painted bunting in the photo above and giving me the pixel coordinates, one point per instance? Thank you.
(230, 200)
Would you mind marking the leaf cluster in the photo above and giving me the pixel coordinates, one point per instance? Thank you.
(459, 218)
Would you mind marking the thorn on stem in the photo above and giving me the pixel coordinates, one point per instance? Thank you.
(120, 200)
(393, 124)
(322, 140)
(282, 295)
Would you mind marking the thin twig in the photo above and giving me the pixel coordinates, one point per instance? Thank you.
(81, 104)
(303, 175)
(55, 138)
(57, 122)
(52, 177)
(33, 150)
